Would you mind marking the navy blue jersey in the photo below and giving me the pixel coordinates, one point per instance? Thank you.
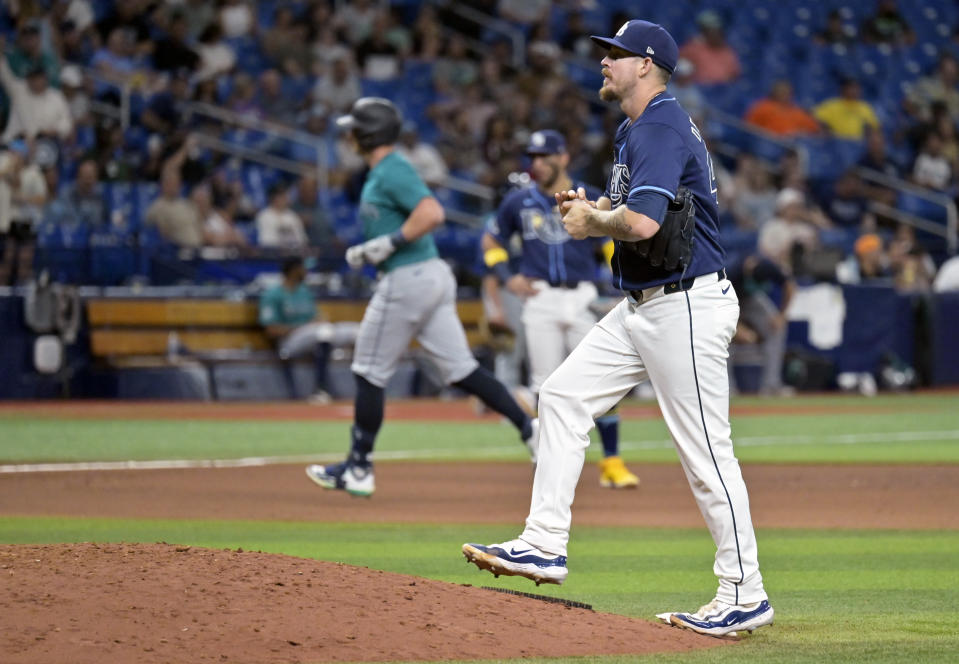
(657, 153)
(549, 253)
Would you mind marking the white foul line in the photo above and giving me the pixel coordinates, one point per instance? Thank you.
(400, 455)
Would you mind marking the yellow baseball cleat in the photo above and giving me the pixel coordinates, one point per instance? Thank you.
(613, 474)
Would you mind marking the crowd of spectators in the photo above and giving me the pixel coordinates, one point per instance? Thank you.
(301, 63)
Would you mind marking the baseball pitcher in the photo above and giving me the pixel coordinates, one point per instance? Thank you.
(673, 327)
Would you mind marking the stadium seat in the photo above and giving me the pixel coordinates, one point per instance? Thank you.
(113, 257)
(921, 207)
(119, 200)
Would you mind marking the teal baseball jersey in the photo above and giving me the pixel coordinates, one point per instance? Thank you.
(279, 306)
(392, 190)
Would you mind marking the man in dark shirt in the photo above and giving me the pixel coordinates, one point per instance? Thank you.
(171, 52)
(764, 292)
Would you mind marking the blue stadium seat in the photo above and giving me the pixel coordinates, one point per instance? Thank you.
(251, 175)
(342, 212)
(62, 250)
(86, 138)
(249, 57)
(296, 87)
(248, 229)
(119, 200)
(587, 77)
(388, 88)
(418, 75)
(113, 257)
(921, 207)
(264, 13)
(847, 153)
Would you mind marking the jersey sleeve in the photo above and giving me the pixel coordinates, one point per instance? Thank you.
(656, 156)
(406, 187)
(503, 225)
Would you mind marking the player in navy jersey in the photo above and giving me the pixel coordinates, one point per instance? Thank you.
(555, 278)
(673, 327)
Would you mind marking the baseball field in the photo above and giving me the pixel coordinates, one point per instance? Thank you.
(156, 532)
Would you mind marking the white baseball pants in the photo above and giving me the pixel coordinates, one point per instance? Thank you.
(679, 341)
(556, 320)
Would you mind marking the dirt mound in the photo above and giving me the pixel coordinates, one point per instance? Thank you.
(104, 603)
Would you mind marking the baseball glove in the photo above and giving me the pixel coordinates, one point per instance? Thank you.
(672, 245)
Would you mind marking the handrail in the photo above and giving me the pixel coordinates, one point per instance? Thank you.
(951, 232)
(125, 88)
(468, 187)
(251, 154)
(904, 217)
(248, 122)
(467, 219)
(280, 130)
(715, 115)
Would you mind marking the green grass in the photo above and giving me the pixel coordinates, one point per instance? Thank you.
(863, 596)
(905, 429)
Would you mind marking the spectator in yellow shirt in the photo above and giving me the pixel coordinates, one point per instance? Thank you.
(847, 116)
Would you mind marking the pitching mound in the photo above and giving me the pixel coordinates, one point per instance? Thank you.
(103, 603)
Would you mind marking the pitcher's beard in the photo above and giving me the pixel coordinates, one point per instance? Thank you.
(608, 94)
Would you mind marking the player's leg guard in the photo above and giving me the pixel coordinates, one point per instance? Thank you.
(367, 419)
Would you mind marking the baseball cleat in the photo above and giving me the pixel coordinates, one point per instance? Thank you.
(517, 558)
(721, 619)
(353, 479)
(613, 474)
(532, 443)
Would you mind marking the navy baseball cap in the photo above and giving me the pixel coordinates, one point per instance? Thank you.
(645, 39)
(546, 141)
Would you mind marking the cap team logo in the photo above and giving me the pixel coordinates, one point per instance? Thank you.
(619, 184)
(538, 139)
(619, 33)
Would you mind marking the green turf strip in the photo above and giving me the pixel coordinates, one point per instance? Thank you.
(927, 436)
(861, 596)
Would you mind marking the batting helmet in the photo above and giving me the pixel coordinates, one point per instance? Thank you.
(374, 121)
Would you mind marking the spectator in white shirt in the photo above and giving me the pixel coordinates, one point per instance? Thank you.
(338, 88)
(218, 228)
(932, 169)
(795, 223)
(425, 158)
(216, 56)
(35, 108)
(279, 226)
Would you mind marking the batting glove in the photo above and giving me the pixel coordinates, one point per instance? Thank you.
(373, 251)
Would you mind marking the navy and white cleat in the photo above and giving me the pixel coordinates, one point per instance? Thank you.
(344, 476)
(517, 558)
(723, 620)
